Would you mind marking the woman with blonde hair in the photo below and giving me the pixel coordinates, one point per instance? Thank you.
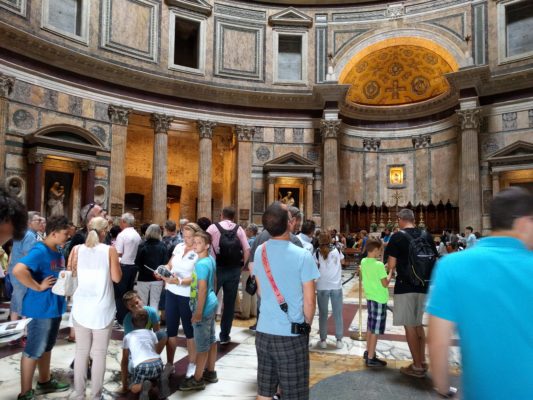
(93, 305)
(329, 286)
(178, 295)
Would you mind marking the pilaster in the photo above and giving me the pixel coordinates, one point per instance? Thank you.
(6, 87)
(119, 133)
(330, 129)
(160, 123)
(245, 135)
(205, 131)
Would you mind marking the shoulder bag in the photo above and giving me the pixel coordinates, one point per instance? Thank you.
(67, 281)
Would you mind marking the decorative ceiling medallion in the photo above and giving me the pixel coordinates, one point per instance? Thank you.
(395, 75)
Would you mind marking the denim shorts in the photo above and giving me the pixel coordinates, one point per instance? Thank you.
(42, 334)
(204, 333)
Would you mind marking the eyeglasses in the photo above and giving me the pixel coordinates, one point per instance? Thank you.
(91, 206)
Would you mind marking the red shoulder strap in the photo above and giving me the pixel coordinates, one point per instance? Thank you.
(279, 297)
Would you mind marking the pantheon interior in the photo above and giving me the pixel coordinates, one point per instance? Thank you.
(177, 108)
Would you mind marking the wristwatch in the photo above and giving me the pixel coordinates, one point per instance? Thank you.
(452, 391)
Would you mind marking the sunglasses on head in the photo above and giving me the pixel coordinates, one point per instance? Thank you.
(91, 206)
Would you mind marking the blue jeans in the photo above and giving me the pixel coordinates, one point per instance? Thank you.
(323, 297)
(228, 280)
(42, 334)
(204, 333)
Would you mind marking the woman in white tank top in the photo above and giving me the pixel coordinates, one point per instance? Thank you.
(93, 305)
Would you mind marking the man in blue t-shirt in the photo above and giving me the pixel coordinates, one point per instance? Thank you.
(488, 285)
(38, 271)
(282, 333)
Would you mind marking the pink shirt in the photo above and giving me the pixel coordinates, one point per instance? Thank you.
(228, 225)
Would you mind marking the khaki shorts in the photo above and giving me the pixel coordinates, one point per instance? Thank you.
(409, 309)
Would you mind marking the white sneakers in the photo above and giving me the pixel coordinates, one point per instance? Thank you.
(340, 344)
(323, 344)
(191, 369)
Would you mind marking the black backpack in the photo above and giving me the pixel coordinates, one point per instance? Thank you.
(421, 260)
(230, 249)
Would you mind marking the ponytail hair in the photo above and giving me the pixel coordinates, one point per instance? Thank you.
(324, 244)
(97, 225)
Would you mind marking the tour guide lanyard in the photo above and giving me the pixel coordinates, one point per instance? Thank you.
(281, 300)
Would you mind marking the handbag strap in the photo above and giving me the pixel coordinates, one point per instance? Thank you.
(279, 297)
(73, 260)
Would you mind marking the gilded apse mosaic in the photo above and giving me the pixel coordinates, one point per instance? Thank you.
(397, 75)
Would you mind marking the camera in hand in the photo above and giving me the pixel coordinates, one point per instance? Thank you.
(163, 271)
(300, 329)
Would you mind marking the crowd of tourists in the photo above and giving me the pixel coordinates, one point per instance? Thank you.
(189, 273)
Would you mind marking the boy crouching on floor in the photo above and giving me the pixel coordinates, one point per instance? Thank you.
(376, 286)
(147, 364)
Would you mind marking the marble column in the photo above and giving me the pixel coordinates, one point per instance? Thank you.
(330, 129)
(205, 181)
(495, 183)
(87, 169)
(421, 189)
(6, 87)
(245, 135)
(119, 133)
(270, 190)
(309, 198)
(160, 123)
(36, 178)
(470, 190)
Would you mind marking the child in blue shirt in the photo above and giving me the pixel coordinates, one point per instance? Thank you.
(203, 306)
(38, 271)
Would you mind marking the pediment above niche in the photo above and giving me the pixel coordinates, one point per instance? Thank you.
(291, 17)
(290, 162)
(200, 6)
(515, 153)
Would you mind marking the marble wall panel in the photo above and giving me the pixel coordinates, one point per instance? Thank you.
(239, 51)
(268, 135)
(52, 118)
(407, 193)
(351, 177)
(372, 177)
(131, 27)
(15, 6)
(422, 176)
(15, 162)
(281, 150)
(445, 174)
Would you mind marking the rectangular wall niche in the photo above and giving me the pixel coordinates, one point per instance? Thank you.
(66, 17)
(289, 58)
(186, 43)
(519, 28)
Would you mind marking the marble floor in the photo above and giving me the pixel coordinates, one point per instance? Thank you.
(237, 363)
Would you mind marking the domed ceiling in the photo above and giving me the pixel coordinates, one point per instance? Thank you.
(397, 75)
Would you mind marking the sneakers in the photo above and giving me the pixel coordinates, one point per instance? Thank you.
(411, 370)
(225, 340)
(29, 395)
(51, 386)
(253, 327)
(210, 376)
(192, 384)
(191, 369)
(146, 386)
(375, 362)
(365, 355)
(340, 344)
(322, 344)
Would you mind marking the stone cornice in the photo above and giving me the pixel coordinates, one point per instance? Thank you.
(160, 122)
(118, 115)
(6, 85)
(200, 6)
(205, 129)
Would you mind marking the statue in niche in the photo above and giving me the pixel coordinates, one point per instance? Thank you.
(56, 197)
(287, 199)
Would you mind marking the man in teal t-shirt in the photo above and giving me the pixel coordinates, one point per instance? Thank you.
(376, 285)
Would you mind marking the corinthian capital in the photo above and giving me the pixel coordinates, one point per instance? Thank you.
(469, 119)
(118, 115)
(6, 85)
(160, 122)
(34, 158)
(245, 133)
(205, 129)
(371, 144)
(421, 141)
(330, 128)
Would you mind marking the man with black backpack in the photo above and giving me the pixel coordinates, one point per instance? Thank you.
(412, 252)
(231, 249)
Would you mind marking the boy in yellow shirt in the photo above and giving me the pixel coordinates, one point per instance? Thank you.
(375, 283)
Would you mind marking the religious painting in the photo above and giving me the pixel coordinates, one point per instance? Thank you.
(396, 176)
(57, 193)
(290, 191)
(289, 196)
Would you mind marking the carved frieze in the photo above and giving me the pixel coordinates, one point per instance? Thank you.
(509, 121)
(205, 128)
(371, 144)
(245, 133)
(279, 135)
(6, 85)
(421, 141)
(259, 135)
(160, 122)
(118, 115)
(298, 135)
(395, 11)
(469, 119)
(330, 128)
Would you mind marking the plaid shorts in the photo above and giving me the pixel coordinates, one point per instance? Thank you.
(377, 317)
(282, 360)
(147, 370)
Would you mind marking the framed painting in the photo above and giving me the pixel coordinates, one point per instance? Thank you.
(58, 193)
